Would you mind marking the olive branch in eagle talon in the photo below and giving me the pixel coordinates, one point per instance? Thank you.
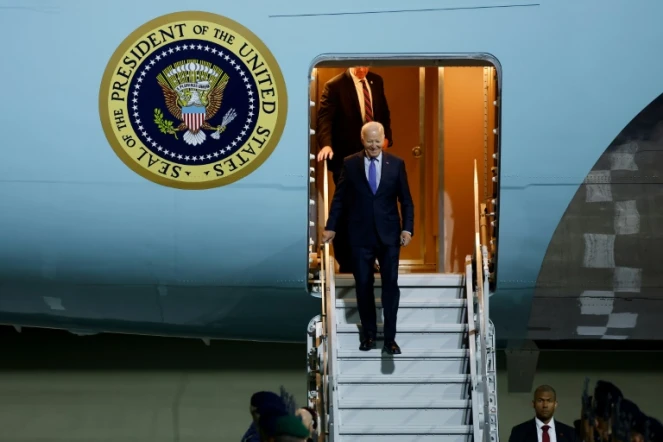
(165, 126)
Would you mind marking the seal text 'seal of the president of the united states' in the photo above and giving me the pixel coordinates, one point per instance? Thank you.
(193, 100)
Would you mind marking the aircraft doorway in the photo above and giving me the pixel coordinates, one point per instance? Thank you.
(443, 118)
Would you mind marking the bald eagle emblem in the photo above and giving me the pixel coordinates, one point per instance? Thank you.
(193, 93)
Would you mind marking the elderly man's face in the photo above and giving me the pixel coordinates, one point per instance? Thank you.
(372, 140)
(360, 71)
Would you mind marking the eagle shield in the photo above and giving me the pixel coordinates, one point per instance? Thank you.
(193, 92)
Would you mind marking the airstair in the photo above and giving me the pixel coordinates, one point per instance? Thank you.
(443, 385)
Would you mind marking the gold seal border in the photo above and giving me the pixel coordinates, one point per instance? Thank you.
(274, 67)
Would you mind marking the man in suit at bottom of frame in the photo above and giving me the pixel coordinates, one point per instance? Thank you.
(371, 185)
(543, 428)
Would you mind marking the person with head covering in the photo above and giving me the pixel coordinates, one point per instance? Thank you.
(628, 423)
(606, 395)
(289, 401)
(287, 429)
(588, 421)
(263, 404)
(653, 430)
(268, 426)
(586, 431)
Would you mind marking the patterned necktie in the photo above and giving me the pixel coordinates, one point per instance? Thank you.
(373, 181)
(545, 436)
(368, 107)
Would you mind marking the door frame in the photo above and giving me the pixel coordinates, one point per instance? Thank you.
(422, 61)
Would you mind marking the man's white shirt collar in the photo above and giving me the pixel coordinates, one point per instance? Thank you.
(368, 158)
(551, 424)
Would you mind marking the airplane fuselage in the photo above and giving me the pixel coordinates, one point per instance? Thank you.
(101, 231)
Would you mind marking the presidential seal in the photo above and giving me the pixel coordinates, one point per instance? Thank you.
(193, 100)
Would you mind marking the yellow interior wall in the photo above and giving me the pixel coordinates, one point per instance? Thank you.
(467, 131)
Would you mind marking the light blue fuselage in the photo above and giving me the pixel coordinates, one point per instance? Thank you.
(86, 243)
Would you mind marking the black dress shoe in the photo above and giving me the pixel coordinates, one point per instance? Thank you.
(391, 348)
(367, 344)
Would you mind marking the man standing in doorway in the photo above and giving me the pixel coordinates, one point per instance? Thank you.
(543, 428)
(348, 101)
(371, 185)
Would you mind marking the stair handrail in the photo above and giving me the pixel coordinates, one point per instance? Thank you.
(471, 337)
(332, 350)
(482, 307)
(328, 276)
(324, 278)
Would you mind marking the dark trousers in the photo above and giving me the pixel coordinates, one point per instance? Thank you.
(364, 273)
(341, 242)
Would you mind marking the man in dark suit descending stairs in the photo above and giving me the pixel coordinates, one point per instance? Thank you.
(543, 428)
(371, 185)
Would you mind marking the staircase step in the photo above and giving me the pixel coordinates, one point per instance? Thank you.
(421, 388)
(416, 403)
(411, 280)
(433, 293)
(414, 437)
(432, 336)
(413, 361)
(414, 311)
(409, 328)
(377, 417)
(393, 430)
(403, 379)
(409, 303)
(408, 353)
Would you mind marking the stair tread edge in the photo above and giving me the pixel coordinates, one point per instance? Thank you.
(402, 379)
(460, 302)
(405, 429)
(423, 402)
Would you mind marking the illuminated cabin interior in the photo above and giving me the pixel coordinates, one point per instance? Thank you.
(444, 116)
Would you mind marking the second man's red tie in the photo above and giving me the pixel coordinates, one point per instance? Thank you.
(545, 436)
(368, 107)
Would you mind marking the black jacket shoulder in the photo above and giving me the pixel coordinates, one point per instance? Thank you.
(373, 76)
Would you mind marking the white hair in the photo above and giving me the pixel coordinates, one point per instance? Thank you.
(375, 125)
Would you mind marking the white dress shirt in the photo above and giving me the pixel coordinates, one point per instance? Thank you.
(360, 94)
(551, 430)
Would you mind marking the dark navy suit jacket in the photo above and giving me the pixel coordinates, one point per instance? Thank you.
(373, 217)
(527, 432)
(339, 117)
